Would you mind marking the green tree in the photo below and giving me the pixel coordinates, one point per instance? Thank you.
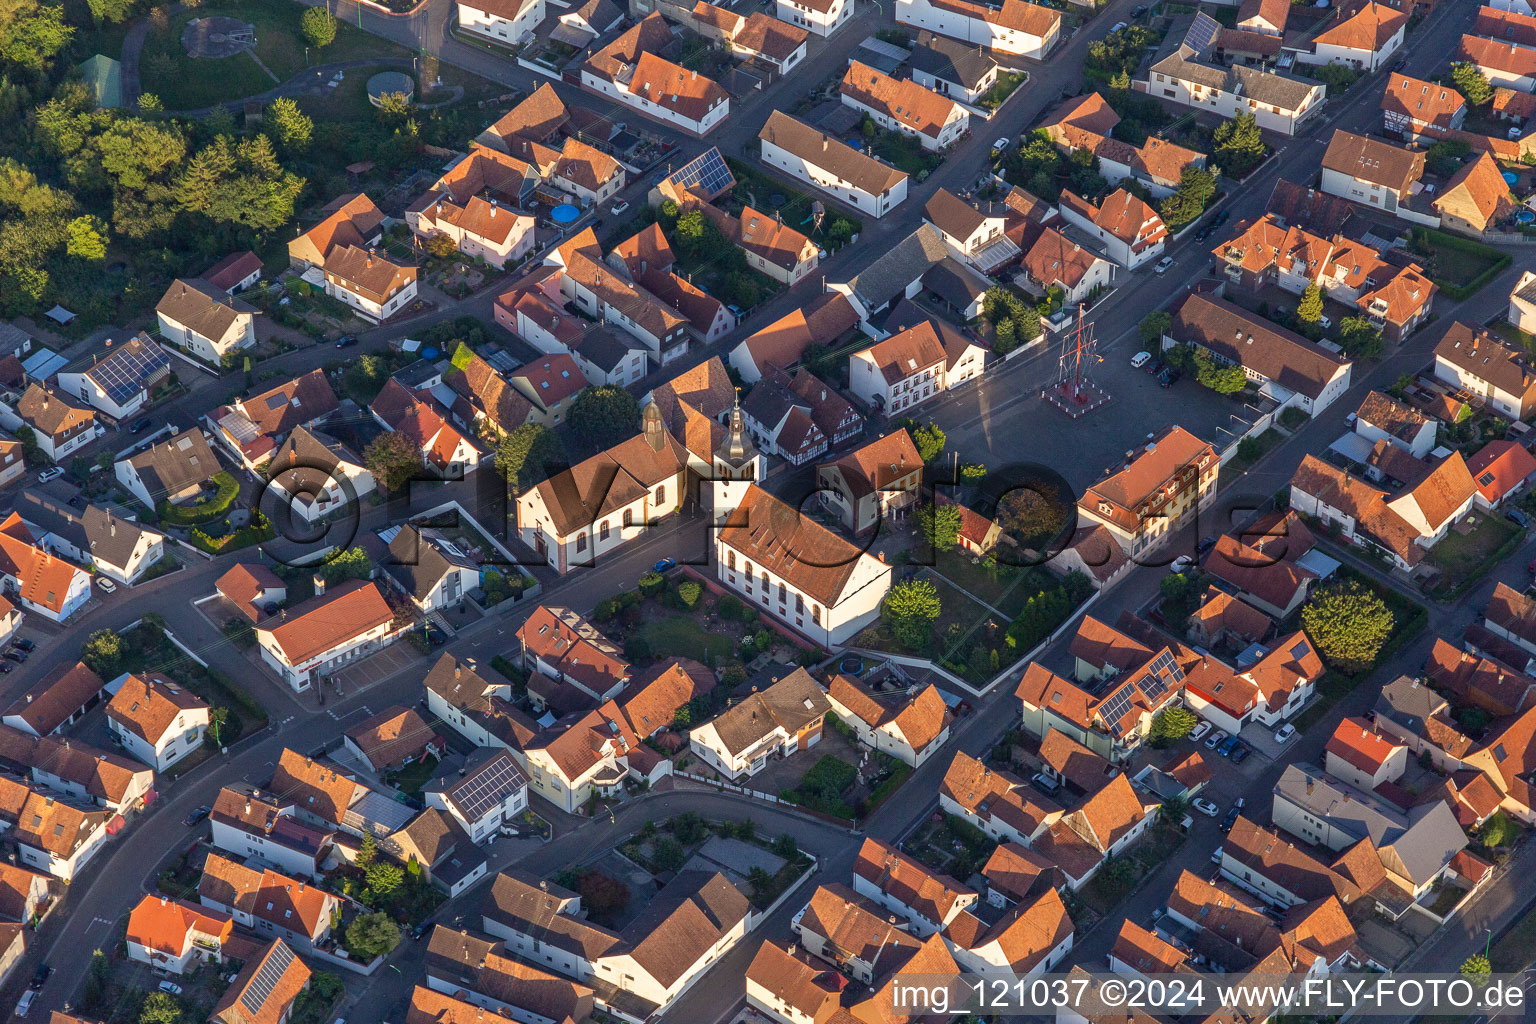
(1224, 380)
(393, 460)
(31, 33)
(1471, 83)
(940, 525)
(371, 935)
(1477, 968)
(103, 653)
(1154, 325)
(1360, 338)
(1349, 624)
(160, 1008)
(291, 128)
(367, 850)
(112, 11)
(239, 183)
(318, 26)
(87, 238)
(351, 564)
(218, 717)
(929, 441)
(667, 854)
(440, 245)
(393, 107)
(911, 608)
(383, 877)
(1032, 513)
(526, 455)
(602, 417)
(691, 232)
(1172, 723)
(1239, 147)
(1173, 810)
(689, 592)
(786, 847)
(1309, 309)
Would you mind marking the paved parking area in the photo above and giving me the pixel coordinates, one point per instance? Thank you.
(376, 668)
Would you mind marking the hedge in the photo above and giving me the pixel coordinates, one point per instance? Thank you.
(203, 511)
(1426, 237)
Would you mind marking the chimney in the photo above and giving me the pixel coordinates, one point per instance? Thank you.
(247, 805)
(823, 142)
(319, 584)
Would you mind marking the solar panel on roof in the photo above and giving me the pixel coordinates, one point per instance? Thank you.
(488, 788)
(1115, 708)
(1202, 32)
(125, 372)
(707, 171)
(260, 989)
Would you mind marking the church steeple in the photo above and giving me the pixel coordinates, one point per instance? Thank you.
(737, 464)
(736, 450)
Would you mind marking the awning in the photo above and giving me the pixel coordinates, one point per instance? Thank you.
(150, 797)
(115, 825)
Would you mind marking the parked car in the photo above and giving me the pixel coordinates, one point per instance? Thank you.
(1182, 564)
(77, 502)
(1140, 359)
(1139, 11)
(17, 656)
(1206, 543)
(139, 425)
(5, 667)
(622, 206)
(666, 565)
(197, 816)
(1284, 733)
(435, 637)
(1227, 746)
(1169, 377)
(346, 341)
(1163, 265)
(1216, 855)
(106, 584)
(1220, 218)
(1045, 782)
(170, 987)
(1205, 807)
(1325, 322)
(51, 473)
(1001, 145)
(1198, 732)
(1118, 26)
(1517, 517)
(24, 643)
(26, 1002)
(1240, 753)
(1203, 233)
(1155, 367)
(1215, 739)
(40, 975)
(1230, 819)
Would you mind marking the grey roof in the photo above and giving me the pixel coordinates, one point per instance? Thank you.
(307, 461)
(1409, 703)
(12, 338)
(888, 277)
(951, 59)
(421, 558)
(1420, 842)
(490, 776)
(1528, 293)
(1284, 91)
(954, 282)
(378, 813)
(605, 347)
(194, 303)
(106, 537)
(174, 465)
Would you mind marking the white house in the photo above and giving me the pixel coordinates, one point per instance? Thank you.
(314, 474)
(53, 587)
(1018, 29)
(173, 471)
(1029, 939)
(327, 632)
(1383, 418)
(205, 320)
(375, 287)
(1370, 171)
(1131, 231)
(863, 182)
(171, 935)
(490, 795)
(58, 837)
(927, 900)
(508, 22)
(157, 721)
(1522, 303)
(629, 71)
(1490, 368)
(95, 537)
(902, 105)
(258, 827)
(1188, 76)
(1365, 40)
(821, 17)
(784, 718)
(118, 384)
(59, 426)
(909, 729)
(899, 372)
(430, 569)
(797, 570)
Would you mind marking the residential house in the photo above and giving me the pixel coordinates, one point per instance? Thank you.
(821, 17)
(268, 902)
(320, 795)
(444, 450)
(1501, 470)
(252, 588)
(825, 320)
(539, 118)
(50, 586)
(1002, 805)
(1276, 870)
(909, 729)
(1416, 715)
(1110, 820)
(1475, 197)
(376, 288)
(350, 220)
(612, 498)
(1489, 368)
(629, 71)
(171, 935)
(1131, 231)
(559, 643)
(928, 901)
(757, 37)
(1054, 261)
(264, 828)
(898, 275)
(604, 292)
(315, 475)
(429, 569)
(770, 245)
(508, 22)
(491, 794)
(800, 151)
(964, 357)
(826, 588)
(23, 893)
(1029, 939)
(782, 422)
(1287, 367)
(205, 320)
(1361, 756)
(1415, 109)
(95, 537)
(977, 235)
(852, 933)
(1185, 72)
(660, 692)
(1150, 499)
(904, 106)
(252, 428)
(1522, 302)
(13, 465)
(780, 719)
(119, 383)
(473, 969)
(329, 631)
(646, 261)
(1383, 418)
(480, 711)
(1262, 564)
(1370, 171)
(1087, 122)
(156, 720)
(1018, 29)
(59, 699)
(1415, 847)
(1471, 678)
(265, 989)
(1502, 61)
(1397, 307)
(1506, 757)
(791, 987)
(235, 272)
(592, 756)
(10, 620)
(478, 202)
(52, 834)
(59, 426)
(899, 372)
(1364, 40)
(880, 480)
(951, 68)
(173, 471)
(550, 385)
(392, 739)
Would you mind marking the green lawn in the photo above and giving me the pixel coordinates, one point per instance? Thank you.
(186, 83)
(906, 153)
(1458, 265)
(1465, 556)
(683, 636)
(1006, 587)
(1007, 82)
(1510, 332)
(413, 776)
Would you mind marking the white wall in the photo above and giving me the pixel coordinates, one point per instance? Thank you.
(799, 167)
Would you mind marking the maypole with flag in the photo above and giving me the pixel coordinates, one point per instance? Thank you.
(1074, 392)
